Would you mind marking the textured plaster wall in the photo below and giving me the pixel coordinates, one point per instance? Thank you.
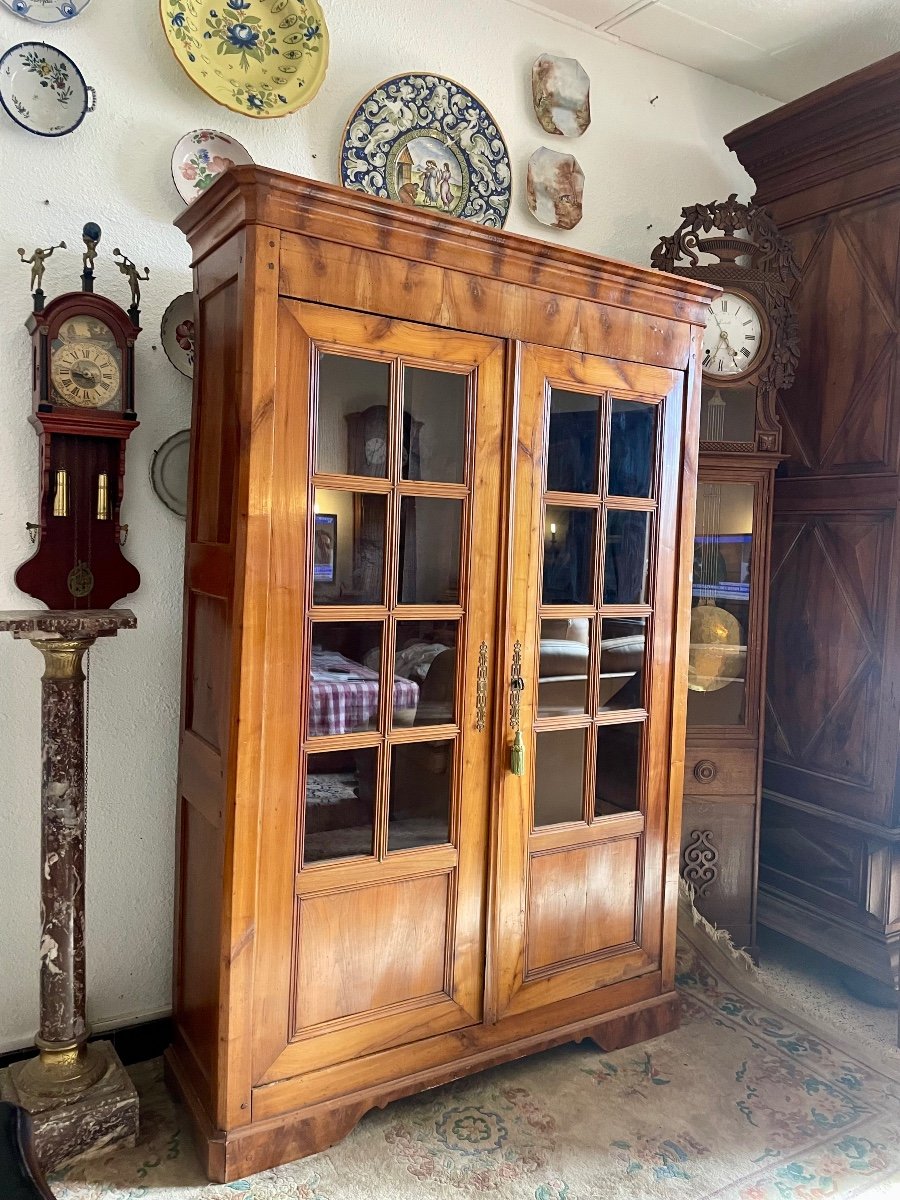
(642, 162)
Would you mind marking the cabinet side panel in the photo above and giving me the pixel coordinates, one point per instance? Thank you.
(208, 668)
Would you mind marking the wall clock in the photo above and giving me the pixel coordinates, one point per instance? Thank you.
(83, 411)
(750, 348)
(737, 337)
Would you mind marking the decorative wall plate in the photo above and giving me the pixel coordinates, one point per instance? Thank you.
(169, 471)
(554, 188)
(262, 58)
(561, 90)
(200, 158)
(43, 90)
(177, 333)
(427, 141)
(46, 12)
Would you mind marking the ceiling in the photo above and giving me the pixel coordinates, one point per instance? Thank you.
(782, 48)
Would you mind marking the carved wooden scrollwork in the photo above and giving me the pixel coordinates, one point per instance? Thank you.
(700, 862)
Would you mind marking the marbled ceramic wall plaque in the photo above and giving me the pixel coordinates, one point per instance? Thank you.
(562, 95)
(554, 188)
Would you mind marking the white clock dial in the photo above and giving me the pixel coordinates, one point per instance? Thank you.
(376, 451)
(734, 337)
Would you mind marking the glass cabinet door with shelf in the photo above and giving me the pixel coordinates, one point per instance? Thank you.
(726, 670)
(583, 827)
(393, 490)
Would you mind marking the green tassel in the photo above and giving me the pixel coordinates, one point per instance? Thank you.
(517, 755)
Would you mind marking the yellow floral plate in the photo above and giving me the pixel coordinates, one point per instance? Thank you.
(262, 58)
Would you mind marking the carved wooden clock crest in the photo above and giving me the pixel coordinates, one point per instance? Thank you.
(750, 350)
(83, 411)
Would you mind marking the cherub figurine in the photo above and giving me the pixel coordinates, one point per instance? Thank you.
(37, 263)
(91, 236)
(133, 275)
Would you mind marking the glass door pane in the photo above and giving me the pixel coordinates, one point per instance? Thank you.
(720, 605)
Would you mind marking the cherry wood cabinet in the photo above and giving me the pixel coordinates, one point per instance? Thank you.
(438, 529)
(827, 166)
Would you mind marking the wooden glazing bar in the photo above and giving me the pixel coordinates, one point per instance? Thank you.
(340, 875)
(563, 721)
(367, 484)
(566, 612)
(347, 612)
(429, 612)
(342, 741)
(630, 504)
(621, 716)
(435, 489)
(572, 499)
(624, 610)
(404, 735)
(579, 833)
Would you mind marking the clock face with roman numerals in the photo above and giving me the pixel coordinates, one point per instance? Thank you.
(734, 337)
(85, 366)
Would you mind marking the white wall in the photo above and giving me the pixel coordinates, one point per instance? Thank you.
(642, 162)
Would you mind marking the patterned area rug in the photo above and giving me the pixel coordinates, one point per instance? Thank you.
(741, 1103)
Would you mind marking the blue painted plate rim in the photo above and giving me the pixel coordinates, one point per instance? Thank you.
(460, 87)
(77, 69)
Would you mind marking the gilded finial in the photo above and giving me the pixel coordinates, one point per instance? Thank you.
(135, 279)
(37, 262)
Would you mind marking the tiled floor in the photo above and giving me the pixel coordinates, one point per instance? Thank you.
(806, 981)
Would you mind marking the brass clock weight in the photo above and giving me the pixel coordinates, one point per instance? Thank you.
(83, 411)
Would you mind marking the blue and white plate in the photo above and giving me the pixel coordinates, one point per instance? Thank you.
(46, 12)
(43, 90)
(428, 142)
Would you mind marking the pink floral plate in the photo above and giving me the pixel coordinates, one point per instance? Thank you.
(200, 158)
(177, 333)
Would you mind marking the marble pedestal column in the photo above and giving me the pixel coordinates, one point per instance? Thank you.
(78, 1094)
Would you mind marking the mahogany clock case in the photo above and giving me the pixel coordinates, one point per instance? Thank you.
(374, 894)
(79, 562)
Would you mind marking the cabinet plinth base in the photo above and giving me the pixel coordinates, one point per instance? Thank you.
(235, 1154)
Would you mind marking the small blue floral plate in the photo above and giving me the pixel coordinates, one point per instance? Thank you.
(46, 12)
(43, 90)
(262, 58)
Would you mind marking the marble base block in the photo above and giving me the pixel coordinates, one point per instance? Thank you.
(88, 1122)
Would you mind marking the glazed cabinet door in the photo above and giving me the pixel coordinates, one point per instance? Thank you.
(379, 649)
(583, 829)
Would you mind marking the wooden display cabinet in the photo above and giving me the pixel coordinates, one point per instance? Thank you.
(500, 437)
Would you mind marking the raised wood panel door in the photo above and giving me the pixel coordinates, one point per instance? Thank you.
(379, 650)
(593, 565)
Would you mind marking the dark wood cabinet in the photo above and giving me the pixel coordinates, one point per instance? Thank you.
(440, 527)
(723, 760)
(828, 168)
